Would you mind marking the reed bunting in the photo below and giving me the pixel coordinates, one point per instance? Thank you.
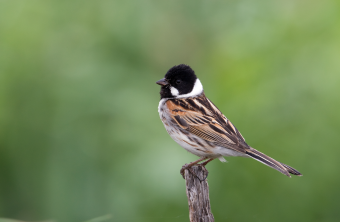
(197, 125)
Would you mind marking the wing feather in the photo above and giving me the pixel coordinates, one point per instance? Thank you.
(201, 118)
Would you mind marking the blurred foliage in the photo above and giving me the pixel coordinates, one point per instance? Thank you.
(80, 136)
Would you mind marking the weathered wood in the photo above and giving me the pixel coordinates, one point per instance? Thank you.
(198, 195)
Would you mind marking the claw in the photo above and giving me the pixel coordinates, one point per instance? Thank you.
(205, 169)
(182, 171)
(188, 167)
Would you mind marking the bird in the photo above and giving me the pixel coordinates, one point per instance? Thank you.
(198, 126)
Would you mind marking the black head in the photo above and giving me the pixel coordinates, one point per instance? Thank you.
(179, 81)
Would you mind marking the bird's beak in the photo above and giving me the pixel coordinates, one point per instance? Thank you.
(162, 82)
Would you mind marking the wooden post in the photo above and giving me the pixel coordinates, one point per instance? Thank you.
(198, 195)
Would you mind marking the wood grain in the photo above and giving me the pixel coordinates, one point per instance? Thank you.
(198, 195)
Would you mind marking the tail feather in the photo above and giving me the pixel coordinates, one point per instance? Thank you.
(283, 168)
(291, 170)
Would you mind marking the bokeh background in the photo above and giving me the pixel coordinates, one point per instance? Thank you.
(80, 135)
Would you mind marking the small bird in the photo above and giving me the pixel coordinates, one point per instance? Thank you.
(197, 125)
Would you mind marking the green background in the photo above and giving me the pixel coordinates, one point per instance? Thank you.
(80, 135)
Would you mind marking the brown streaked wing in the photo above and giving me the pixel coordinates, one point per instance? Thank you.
(225, 120)
(205, 127)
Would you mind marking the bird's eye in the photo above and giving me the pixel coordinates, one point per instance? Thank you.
(178, 81)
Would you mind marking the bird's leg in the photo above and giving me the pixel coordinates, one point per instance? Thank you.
(203, 165)
(206, 162)
(188, 166)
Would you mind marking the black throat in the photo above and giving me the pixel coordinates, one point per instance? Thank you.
(166, 92)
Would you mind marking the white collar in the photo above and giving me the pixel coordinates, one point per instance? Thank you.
(197, 90)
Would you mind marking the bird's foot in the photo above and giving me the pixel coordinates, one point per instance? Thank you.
(204, 170)
(188, 167)
(184, 167)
